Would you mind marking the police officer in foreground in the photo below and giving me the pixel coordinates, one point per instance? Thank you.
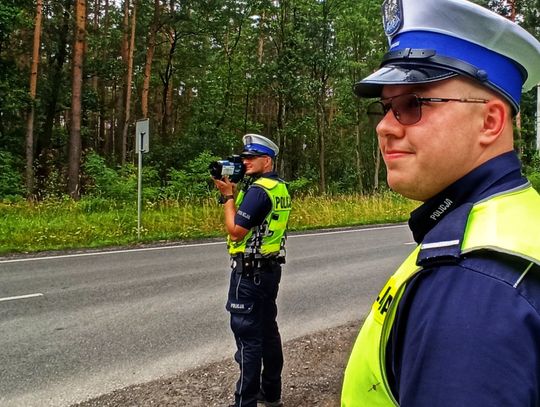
(256, 223)
(458, 324)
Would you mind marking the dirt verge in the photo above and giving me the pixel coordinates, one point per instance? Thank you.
(312, 376)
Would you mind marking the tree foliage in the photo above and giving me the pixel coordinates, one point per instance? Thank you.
(204, 73)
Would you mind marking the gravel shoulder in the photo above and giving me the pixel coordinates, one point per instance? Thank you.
(312, 376)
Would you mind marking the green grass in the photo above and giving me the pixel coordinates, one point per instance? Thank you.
(349, 210)
(96, 222)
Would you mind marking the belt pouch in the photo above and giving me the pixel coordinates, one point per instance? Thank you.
(238, 263)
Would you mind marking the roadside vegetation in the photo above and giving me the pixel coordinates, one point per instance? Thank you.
(184, 208)
(56, 224)
(202, 74)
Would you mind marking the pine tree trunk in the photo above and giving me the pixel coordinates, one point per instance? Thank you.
(321, 127)
(377, 168)
(167, 79)
(129, 78)
(76, 89)
(104, 135)
(149, 58)
(33, 88)
(359, 169)
(94, 82)
(121, 91)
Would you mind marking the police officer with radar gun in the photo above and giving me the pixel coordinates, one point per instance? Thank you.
(458, 324)
(256, 223)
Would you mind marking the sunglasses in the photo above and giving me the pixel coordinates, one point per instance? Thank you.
(407, 108)
(253, 157)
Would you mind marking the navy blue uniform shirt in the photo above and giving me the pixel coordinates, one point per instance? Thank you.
(463, 335)
(255, 206)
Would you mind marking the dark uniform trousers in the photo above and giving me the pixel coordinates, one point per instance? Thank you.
(252, 304)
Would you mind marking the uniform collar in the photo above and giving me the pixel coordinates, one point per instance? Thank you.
(496, 175)
(270, 174)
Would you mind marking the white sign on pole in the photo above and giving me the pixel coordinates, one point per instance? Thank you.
(142, 136)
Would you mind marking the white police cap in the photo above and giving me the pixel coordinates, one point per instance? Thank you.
(431, 40)
(255, 145)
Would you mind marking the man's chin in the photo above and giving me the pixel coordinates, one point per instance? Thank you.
(403, 188)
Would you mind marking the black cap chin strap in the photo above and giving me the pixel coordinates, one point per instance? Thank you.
(429, 57)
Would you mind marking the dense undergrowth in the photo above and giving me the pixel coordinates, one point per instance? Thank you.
(56, 224)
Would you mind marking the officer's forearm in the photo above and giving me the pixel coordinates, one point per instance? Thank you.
(230, 212)
(235, 231)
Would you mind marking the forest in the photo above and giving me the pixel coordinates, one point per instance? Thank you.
(76, 76)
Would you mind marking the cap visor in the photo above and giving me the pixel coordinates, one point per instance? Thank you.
(251, 154)
(394, 74)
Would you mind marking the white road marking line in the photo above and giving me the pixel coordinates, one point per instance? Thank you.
(144, 249)
(65, 256)
(336, 232)
(21, 297)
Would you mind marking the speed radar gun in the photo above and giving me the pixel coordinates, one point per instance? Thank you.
(231, 167)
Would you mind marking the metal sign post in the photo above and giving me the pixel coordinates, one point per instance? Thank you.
(142, 138)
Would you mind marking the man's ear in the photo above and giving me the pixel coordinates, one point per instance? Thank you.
(268, 163)
(495, 119)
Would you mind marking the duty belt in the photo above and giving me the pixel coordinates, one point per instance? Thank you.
(245, 264)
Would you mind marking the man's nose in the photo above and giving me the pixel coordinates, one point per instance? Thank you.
(389, 126)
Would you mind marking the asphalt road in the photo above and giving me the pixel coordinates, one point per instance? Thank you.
(80, 325)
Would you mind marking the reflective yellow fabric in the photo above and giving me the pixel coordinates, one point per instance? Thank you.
(509, 223)
(274, 226)
(364, 384)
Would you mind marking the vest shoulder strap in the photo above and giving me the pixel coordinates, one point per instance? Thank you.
(508, 223)
(267, 183)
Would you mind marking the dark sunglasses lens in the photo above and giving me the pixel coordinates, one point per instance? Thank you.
(375, 113)
(407, 109)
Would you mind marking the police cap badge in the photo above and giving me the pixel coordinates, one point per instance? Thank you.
(392, 11)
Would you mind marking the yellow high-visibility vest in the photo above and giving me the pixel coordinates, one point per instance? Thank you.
(507, 223)
(266, 239)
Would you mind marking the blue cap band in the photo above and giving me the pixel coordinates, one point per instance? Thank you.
(503, 74)
(260, 149)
